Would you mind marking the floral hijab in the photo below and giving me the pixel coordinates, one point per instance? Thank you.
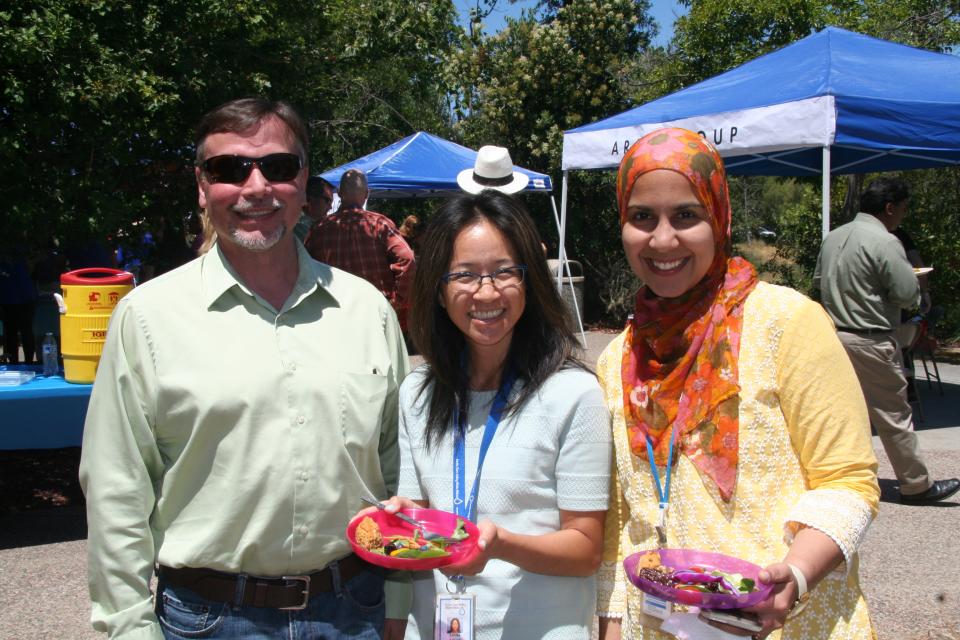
(680, 355)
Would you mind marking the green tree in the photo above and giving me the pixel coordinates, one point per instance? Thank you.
(934, 225)
(717, 35)
(99, 97)
(565, 65)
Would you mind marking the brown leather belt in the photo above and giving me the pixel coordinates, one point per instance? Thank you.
(288, 592)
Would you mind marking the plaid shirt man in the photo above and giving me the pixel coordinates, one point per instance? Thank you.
(367, 244)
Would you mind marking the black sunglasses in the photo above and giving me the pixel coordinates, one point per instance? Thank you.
(276, 167)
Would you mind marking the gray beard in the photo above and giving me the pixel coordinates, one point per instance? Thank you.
(257, 242)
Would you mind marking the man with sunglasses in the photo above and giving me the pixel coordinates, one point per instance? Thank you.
(244, 404)
(365, 243)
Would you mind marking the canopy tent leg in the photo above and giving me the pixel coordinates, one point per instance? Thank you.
(825, 192)
(562, 255)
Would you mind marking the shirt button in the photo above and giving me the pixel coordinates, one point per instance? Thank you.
(304, 531)
(293, 367)
(304, 475)
(301, 419)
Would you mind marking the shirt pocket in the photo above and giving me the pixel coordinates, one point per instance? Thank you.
(362, 405)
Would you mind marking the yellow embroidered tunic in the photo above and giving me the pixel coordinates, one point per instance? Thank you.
(805, 460)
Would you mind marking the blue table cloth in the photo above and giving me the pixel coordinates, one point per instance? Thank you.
(44, 413)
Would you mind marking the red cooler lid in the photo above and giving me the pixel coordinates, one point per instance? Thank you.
(96, 275)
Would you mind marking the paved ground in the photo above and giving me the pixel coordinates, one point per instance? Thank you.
(908, 569)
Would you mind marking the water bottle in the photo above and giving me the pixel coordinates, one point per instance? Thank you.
(51, 366)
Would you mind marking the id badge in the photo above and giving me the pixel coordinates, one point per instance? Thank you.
(656, 607)
(454, 616)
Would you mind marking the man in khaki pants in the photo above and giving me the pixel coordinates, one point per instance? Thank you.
(865, 280)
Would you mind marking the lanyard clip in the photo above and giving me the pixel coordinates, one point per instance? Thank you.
(661, 526)
(459, 584)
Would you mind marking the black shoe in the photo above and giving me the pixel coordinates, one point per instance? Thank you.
(939, 490)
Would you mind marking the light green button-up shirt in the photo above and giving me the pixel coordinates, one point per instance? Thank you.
(224, 434)
(864, 276)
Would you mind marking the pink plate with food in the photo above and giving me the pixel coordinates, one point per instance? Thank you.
(401, 546)
(697, 578)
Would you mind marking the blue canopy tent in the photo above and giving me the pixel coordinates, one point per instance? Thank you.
(421, 166)
(425, 166)
(835, 102)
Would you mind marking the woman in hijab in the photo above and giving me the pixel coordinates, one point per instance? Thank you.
(739, 425)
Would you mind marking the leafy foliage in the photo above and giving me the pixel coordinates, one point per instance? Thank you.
(521, 88)
(99, 98)
(717, 35)
(934, 225)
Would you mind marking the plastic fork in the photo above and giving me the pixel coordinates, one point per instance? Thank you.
(428, 535)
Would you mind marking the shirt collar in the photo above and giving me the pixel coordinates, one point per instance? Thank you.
(218, 277)
(871, 219)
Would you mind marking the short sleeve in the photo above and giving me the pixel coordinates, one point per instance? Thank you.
(583, 463)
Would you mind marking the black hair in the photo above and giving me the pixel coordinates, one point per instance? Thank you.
(316, 186)
(543, 341)
(881, 191)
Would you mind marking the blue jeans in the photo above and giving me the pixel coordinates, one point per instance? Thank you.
(352, 610)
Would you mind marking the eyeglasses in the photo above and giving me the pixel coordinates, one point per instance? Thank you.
(470, 281)
(276, 167)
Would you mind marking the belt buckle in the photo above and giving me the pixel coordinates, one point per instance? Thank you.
(305, 592)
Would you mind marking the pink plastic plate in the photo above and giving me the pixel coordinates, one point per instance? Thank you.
(686, 558)
(442, 522)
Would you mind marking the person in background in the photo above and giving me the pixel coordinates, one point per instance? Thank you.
(865, 282)
(909, 327)
(728, 437)
(916, 261)
(49, 266)
(500, 363)
(366, 244)
(18, 300)
(243, 404)
(319, 200)
(410, 230)
(171, 248)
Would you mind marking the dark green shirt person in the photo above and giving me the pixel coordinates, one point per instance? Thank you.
(864, 276)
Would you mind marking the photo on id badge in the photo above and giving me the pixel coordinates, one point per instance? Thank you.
(454, 618)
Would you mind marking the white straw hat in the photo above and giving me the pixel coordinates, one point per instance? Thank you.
(493, 169)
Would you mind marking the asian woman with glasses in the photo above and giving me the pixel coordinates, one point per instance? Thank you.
(500, 362)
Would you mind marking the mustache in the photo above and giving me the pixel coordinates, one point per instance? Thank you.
(246, 206)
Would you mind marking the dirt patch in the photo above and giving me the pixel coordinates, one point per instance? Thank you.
(948, 353)
(39, 479)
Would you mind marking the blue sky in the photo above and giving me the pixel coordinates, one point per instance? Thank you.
(664, 12)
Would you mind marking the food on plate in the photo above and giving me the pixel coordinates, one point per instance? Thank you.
(368, 535)
(649, 560)
(700, 578)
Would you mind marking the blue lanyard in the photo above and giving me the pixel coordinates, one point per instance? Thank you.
(468, 509)
(663, 490)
